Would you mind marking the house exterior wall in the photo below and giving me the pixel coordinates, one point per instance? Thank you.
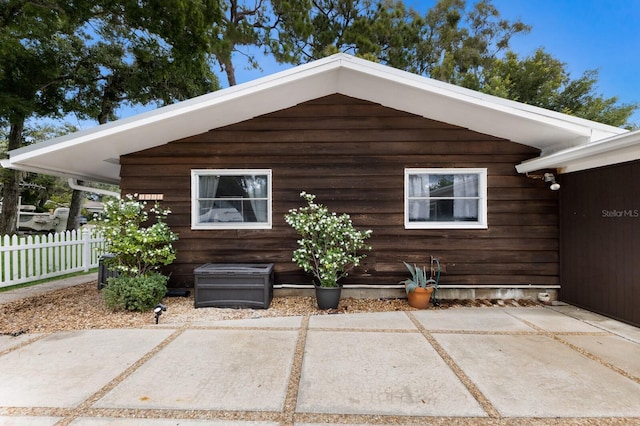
(600, 234)
(352, 155)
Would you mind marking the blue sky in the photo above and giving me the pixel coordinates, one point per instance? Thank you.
(584, 34)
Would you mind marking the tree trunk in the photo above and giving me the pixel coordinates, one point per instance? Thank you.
(11, 183)
(230, 71)
(75, 208)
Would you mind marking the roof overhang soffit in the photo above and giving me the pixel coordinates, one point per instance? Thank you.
(614, 150)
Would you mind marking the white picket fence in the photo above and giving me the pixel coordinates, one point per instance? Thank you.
(34, 257)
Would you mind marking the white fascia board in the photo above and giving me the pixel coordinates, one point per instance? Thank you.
(89, 152)
(185, 119)
(7, 164)
(614, 150)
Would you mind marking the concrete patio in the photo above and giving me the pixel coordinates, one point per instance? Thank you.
(535, 365)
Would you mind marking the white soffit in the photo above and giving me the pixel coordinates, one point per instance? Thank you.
(92, 154)
(537, 127)
(606, 152)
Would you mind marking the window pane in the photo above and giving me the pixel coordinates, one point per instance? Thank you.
(419, 210)
(465, 210)
(441, 185)
(255, 210)
(228, 198)
(254, 186)
(419, 185)
(441, 198)
(443, 210)
(465, 185)
(208, 186)
(220, 211)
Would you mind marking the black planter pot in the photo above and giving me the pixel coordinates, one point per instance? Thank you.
(328, 297)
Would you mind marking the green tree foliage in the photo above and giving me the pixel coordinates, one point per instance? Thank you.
(242, 24)
(457, 44)
(462, 44)
(248, 26)
(90, 57)
(141, 52)
(42, 191)
(39, 51)
(544, 81)
(379, 30)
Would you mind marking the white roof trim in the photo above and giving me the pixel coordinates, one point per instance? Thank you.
(605, 152)
(90, 154)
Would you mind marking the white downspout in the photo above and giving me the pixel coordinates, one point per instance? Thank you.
(73, 184)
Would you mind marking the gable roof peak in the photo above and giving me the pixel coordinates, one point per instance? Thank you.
(97, 149)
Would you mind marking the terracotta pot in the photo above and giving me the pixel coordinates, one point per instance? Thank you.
(420, 297)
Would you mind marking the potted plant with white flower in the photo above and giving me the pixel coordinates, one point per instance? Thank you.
(329, 247)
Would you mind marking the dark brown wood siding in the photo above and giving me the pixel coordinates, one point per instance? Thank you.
(352, 154)
(600, 234)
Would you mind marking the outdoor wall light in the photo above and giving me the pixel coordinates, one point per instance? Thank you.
(550, 178)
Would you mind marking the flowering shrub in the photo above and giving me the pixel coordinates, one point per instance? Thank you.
(137, 293)
(137, 250)
(329, 244)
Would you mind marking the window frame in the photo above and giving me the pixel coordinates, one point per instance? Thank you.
(481, 223)
(195, 199)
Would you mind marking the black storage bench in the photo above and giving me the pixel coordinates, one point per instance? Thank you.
(231, 285)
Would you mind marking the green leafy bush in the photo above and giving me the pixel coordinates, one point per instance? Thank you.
(330, 243)
(136, 249)
(139, 247)
(135, 293)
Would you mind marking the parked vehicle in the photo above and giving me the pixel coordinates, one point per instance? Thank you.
(30, 221)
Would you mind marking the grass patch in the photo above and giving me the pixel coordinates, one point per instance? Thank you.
(46, 280)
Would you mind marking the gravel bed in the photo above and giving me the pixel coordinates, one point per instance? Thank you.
(81, 307)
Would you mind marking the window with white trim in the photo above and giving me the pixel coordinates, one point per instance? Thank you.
(230, 199)
(445, 198)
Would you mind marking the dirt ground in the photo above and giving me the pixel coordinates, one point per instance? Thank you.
(82, 307)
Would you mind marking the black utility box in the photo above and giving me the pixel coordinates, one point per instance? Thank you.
(229, 285)
(104, 272)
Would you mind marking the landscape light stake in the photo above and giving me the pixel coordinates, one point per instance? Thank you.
(158, 310)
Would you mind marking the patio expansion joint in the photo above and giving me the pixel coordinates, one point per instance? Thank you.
(25, 343)
(295, 375)
(187, 414)
(366, 330)
(557, 336)
(85, 406)
(593, 357)
(484, 402)
(381, 419)
(241, 328)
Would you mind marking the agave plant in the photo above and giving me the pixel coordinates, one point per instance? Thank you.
(418, 278)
